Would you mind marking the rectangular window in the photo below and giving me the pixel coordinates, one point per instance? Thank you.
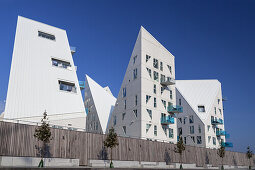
(161, 66)
(162, 89)
(124, 129)
(155, 74)
(123, 115)
(136, 99)
(185, 140)
(201, 108)
(134, 59)
(147, 127)
(155, 102)
(67, 86)
(193, 139)
(155, 89)
(135, 112)
(149, 112)
(199, 140)
(155, 130)
(180, 119)
(149, 71)
(61, 64)
(215, 110)
(170, 68)
(147, 98)
(214, 141)
(208, 128)
(184, 120)
(218, 101)
(171, 133)
(164, 103)
(180, 102)
(209, 139)
(46, 35)
(162, 78)
(147, 57)
(171, 94)
(155, 63)
(191, 119)
(114, 120)
(220, 111)
(199, 129)
(179, 131)
(125, 104)
(135, 73)
(191, 129)
(124, 92)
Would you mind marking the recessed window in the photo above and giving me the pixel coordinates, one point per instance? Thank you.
(149, 112)
(148, 127)
(199, 129)
(155, 102)
(208, 128)
(149, 71)
(179, 131)
(123, 115)
(114, 120)
(46, 35)
(135, 112)
(185, 140)
(184, 120)
(180, 102)
(170, 68)
(191, 119)
(135, 73)
(124, 129)
(171, 94)
(155, 63)
(171, 133)
(180, 119)
(214, 141)
(164, 103)
(201, 108)
(215, 110)
(147, 57)
(161, 66)
(199, 140)
(209, 139)
(136, 99)
(220, 111)
(125, 104)
(162, 78)
(155, 130)
(147, 98)
(124, 92)
(155, 89)
(193, 139)
(134, 59)
(191, 129)
(67, 86)
(61, 64)
(155, 75)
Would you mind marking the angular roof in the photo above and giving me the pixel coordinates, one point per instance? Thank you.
(199, 92)
(104, 101)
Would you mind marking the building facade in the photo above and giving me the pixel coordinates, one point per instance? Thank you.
(43, 77)
(146, 102)
(202, 121)
(99, 103)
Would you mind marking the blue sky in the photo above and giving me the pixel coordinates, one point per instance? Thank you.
(211, 39)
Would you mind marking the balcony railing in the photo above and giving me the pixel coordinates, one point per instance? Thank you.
(167, 81)
(175, 109)
(167, 120)
(73, 50)
(221, 133)
(217, 122)
(227, 144)
(82, 85)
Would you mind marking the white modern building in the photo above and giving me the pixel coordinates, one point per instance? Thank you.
(99, 103)
(43, 77)
(202, 121)
(145, 106)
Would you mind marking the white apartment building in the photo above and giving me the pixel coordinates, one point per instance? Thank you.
(99, 103)
(202, 122)
(146, 102)
(43, 77)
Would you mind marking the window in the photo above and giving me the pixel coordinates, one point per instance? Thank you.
(114, 120)
(185, 140)
(149, 112)
(125, 104)
(171, 94)
(162, 90)
(184, 120)
(171, 133)
(191, 119)
(179, 131)
(134, 59)
(66, 86)
(147, 98)
(155, 63)
(123, 115)
(201, 108)
(161, 66)
(199, 140)
(46, 35)
(155, 74)
(136, 100)
(208, 128)
(124, 129)
(147, 57)
(214, 141)
(61, 64)
(180, 119)
(215, 110)
(180, 102)
(162, 78)
(209, 139)
(191, 129)
(135, 112)
(212, 118)
(155, 89)
(135, 73)
(124, 92)
(155, 130)
(155, 102)
(193, 139)
(199, 129)
(149, 71)
(170, 68)
(218, 101)
(147, 127)
(164, 103)
(220, 111)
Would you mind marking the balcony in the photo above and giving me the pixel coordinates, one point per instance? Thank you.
(167, 81)
(227, 144)
(86, 110)
(217, 122)
(167, 120)
(82, 85)
(221, 133)
(73, 50)
(175, 109)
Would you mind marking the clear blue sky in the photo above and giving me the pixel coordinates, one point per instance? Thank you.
(209, 39)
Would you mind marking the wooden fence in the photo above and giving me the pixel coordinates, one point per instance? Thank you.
(18, 140)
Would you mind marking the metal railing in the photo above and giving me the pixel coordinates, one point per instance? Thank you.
(175, 109)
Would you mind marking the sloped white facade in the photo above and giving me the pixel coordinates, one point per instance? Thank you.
(99, 103)
(142, 98)
(202, 102)
(43, 77)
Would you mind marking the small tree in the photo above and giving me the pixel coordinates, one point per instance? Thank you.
(179, 149)
(221, 153)
(111, 141)
(249, 155)
(43, 134)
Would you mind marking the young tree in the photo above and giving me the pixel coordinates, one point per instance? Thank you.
(221, 153)
(179, 149)
(43, 134)
(111, 141)
(249, 155)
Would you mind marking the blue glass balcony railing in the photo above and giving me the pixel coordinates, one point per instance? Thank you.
(82, 84)
(175, 109)
(221, 133)
(167, 120)
(73, 49)
(217, 122)
(227, 144)
(87, 110)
